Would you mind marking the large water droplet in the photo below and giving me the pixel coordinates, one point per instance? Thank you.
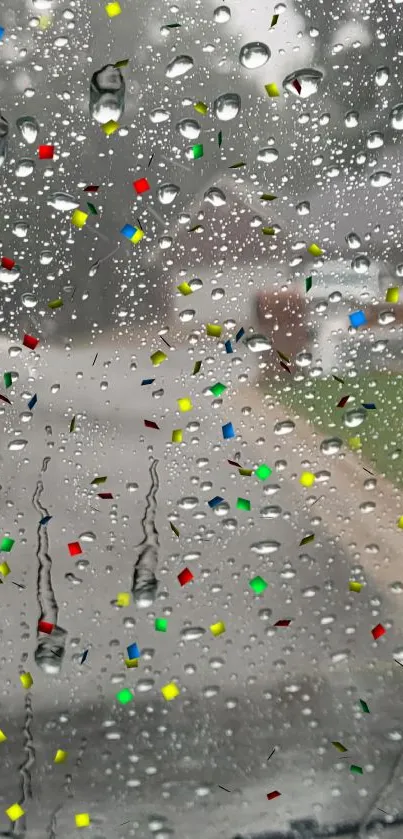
(380, 179)
(353, 241)
(227, 106)
(258, 343)
(284, 427)
(265, 547)
(28, 128)
(192, 633)
(215, 196)
(107, 94)
(62, 201)
(159, 115)
(254, 54)
(331, 446)
(24, 167)
(167, 193)
(381, 76)
(396, 118)
(179, 66)
(3, 139)
(17, 445)
(189, 129)
(9, 277)
(354, 418)
(29, 300)
(222, 14)
(360, 264)
(303, 83)
(268, 155)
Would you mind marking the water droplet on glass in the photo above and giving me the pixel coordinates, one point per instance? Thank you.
(351, 119)
(375, 140)
(24, 168)
(381, 76)
(217, 293)
(331, 446)
(215, 196)
(396, 118)
(353, 241)
(159, 115)
(380, 179)
(354, 418)
(107, 94)
(187, 315)
(20, 229)
(258, 343)
(284, 427)
(9, 277)
(3, 139)
(28, 128)
(254, 54)
(188, 128)
(303, 208)
(222, 14)
(50, 651)
(45, 257)
(268, 155)
(179, 66)
(17, 445)
(227, 106)
(265, 547)
(303, 83)
(29, 300)
(167, 193)
(361, 264)
(303, 359)
(192, 633)
(62, 201)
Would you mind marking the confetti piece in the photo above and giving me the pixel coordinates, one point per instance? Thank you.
(170, 691)
(217, 628)
(228, 431)
(237, 165)
(5, 399)
(124, 696)
(274, 794)
(246, 472)
(263, 472)
(267, 196)
(234, 463)
(3, 737)
(197, 151)
(219, 139)
(283, 623)
(339, 746)
(196, 227)
(177, 435)
(308, 284)
(79, 218)
(213, 330)
(4, 569)
(243, 504)
(224, 788)
(158, 357)
(26, 680)
(357, 770)
(174, 529)
(74, 548)
(6, 544)
(7, 263)
(32, 402)
(141, 185)
(30, 342)
(1, 32)
(184, 288)
(258, 584)
(73, 425)
(201, 108)
(161, 624)
(55, 304)
(83, 819)
(315, 250)
(296, 85)
(7, 380)
(218, 389)
(46, 152)
(113, 9)
(184, 404)
(92, 187)
(343, 401)
(285, 367)
(370, 406)
(392, 295)
(151, 424)
(131, 662)
(133, 651)
(307, 479)
(196, 368)
(228, 347)
(341, 381)
(239, 334)
(122, 63)
(147, 382)
(46, 627)
(106, 496)
(268, 231)
(283, 356)
(400, 522)
(354, 442)
(214, 502)
(84, 656)
(45, 520)
(123, 599)
(307, 539)
(60, 756)
(185, 577)
(99, 480)
(272, 89)
(357, 318)
(15, 812)
(354, 586)
(134, 234)
(93, 210)
(364, 707)
(378, 631)
(274, 21)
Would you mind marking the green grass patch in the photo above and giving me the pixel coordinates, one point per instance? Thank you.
(381, 433)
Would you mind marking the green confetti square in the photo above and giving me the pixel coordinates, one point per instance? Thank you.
(124, 696)
(7, 379)
(161, 624)
(243, 504)
(258, 584)
(219, 139)
(308, 284)
(263, 472)
(356, 769)
(364, 707)
(6, 544)
(92, 209)
(218, 389)
(197, 151)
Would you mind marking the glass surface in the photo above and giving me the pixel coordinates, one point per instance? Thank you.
(201, 400)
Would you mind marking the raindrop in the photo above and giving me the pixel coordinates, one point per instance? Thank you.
(28, 128)
(29, 300)
(107, 94)
(159, 115)
(3, 139)
(284, 427)
(353, 241)
(265, 547)
(396, 117)
(62, 201)
(192, 633)
(167, 193)
(215, 196)
(9, 277)
(222, 14)
(268, 155)
(227, 106)
(331, 446)
(380, 179)
(354, 418)
(20, 229)
(188, 128)
(187, 315)
(17, 445)
(381, 76)
(254, 54)
(303, 208)
(361, 264)
(258, 343)
(375, 140)
(24, 168)
(351, 119)
(303, 83)
(179, 66)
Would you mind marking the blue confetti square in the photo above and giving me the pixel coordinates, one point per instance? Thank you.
(215, 501)
(32, 402)
(228, 431)
(357, 318)
(1, 32)
(239, 334)
(228, 347)
(128, 231)
(147, 381)
(133, 651)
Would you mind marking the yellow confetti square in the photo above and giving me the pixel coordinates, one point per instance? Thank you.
(315, 250)
(110, 127)
(123, 598)
(4, 568)
(185, 404)
(158, 357)
(170, 691)
(217, 628)
(177, 435)
(79, 218)
(60, 756)
(307, 479)
(26, 680)
(214, 330)
(272, 89)
(201, 108)
(184, 288)
(354, 442)
(82, 819)
(400, 522)
(131, 662)
(353, 586)
(113, 9)
(15, 812)
(392, 295)
(44, 22)
(3, 736)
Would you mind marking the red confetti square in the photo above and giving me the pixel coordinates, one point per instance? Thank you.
(343, 401)
(106, 495)
(234, 463)
(185, 576)
(141, 185)
(274, 794)
(282, 623)
(4, 399)
(297, 86)
(378, 631)
(91, 188)
(151, 424)
(46, 152)
(30, 342)
(74, 548)
(8, 263)
(45, 626)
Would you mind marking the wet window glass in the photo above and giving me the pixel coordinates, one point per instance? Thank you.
(201, 408)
